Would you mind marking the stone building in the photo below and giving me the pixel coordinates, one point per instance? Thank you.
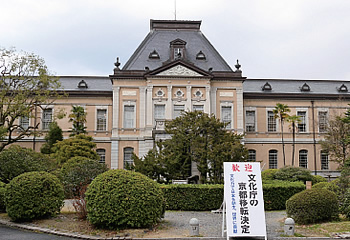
(176, 68)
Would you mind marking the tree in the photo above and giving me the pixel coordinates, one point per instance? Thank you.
(25, 85)
(54, 135)
(336, 141)
(16, 160)
(293, 119)
(196, 137)
(281, 112)
(78, 118)
(78, 146)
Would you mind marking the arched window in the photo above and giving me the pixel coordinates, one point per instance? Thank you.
(273, 159)
(128, 156)
(102, 153)
(251, 155)
(303, 158)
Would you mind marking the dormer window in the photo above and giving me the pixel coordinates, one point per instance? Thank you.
(200, 56)
(267, 87)
(154, 55)
(82, 84)
(177, 48)
(305, 88)
(343, 88)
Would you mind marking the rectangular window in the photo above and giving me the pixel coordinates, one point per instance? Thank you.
(322, 121)
(101, 120)
(273, 159)
(198, 108)
(250, 121)
(102, 155)
(47, 118)
(226, 116)
(324, 161)
(302, 124)
(271, 122)
(24, 122)
(178, 109)
(159, 112)
(129, 116)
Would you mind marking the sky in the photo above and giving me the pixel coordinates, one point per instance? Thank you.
(294, 39)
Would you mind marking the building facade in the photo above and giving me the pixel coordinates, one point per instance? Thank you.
(176, 69)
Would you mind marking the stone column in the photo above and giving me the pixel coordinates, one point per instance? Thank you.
(142, 108)
(116, 102)
(169, 107)
(207, 105)
(149, 107)
(188, 106)
(240, 112)
(115, 154)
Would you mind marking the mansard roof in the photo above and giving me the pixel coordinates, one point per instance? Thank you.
(296, 88)
(162, 33)
(86, 84)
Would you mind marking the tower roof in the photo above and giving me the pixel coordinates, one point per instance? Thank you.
(155, 50)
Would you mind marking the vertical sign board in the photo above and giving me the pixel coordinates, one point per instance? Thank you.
(245, 216)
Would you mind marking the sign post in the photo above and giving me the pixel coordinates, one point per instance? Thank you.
(243, 198)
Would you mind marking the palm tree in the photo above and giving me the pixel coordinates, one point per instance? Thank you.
(281, 113)
(78, 117)
(293, 119)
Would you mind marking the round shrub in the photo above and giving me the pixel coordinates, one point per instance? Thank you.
(293, 174)
(345, 206)
(33, 195)
(2, 196)
(312, 205)
(268, 174)
(120, 198)
(78, 172)
(318, 179)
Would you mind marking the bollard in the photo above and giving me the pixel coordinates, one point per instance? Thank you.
(289, 226)
(194, 223)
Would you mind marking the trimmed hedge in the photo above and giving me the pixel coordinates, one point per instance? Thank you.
(33, 195)
(312, 206)
(193, 197)
(276, 193)
(120, 198)
(2, 196)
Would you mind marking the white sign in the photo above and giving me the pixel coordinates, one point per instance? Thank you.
(243, 195)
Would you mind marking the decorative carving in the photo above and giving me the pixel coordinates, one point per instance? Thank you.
(179, 70)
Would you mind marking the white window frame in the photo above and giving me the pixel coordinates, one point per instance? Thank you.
(96, 119)
(267, 121)
(183, 105)
(21, 123)
(255, 119)
(198, 105)
(307, 158)
(322, 110)
(42, 118)
(129, 161)
(273, 165)
(306, 119)
(154, 112)
(251, 152)
(227, 105)
(99, 152)
(129, 103)
(324, 166)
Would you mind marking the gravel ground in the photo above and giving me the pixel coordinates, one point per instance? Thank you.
(210, 224)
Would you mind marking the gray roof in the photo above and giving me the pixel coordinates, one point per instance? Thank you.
(159, 39)
(293, 86)
(70, 83)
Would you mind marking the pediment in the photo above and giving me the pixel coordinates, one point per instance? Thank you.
(179, 70)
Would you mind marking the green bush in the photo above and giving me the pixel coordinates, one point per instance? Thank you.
(345, 206)
(312, 206)
(17, 160)
(121, 198)
(78, 172)
(276, 193)
(33, 195)
(193, 197)
(318, 179)
(293, 174)
(268, 174)
(2, 196)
